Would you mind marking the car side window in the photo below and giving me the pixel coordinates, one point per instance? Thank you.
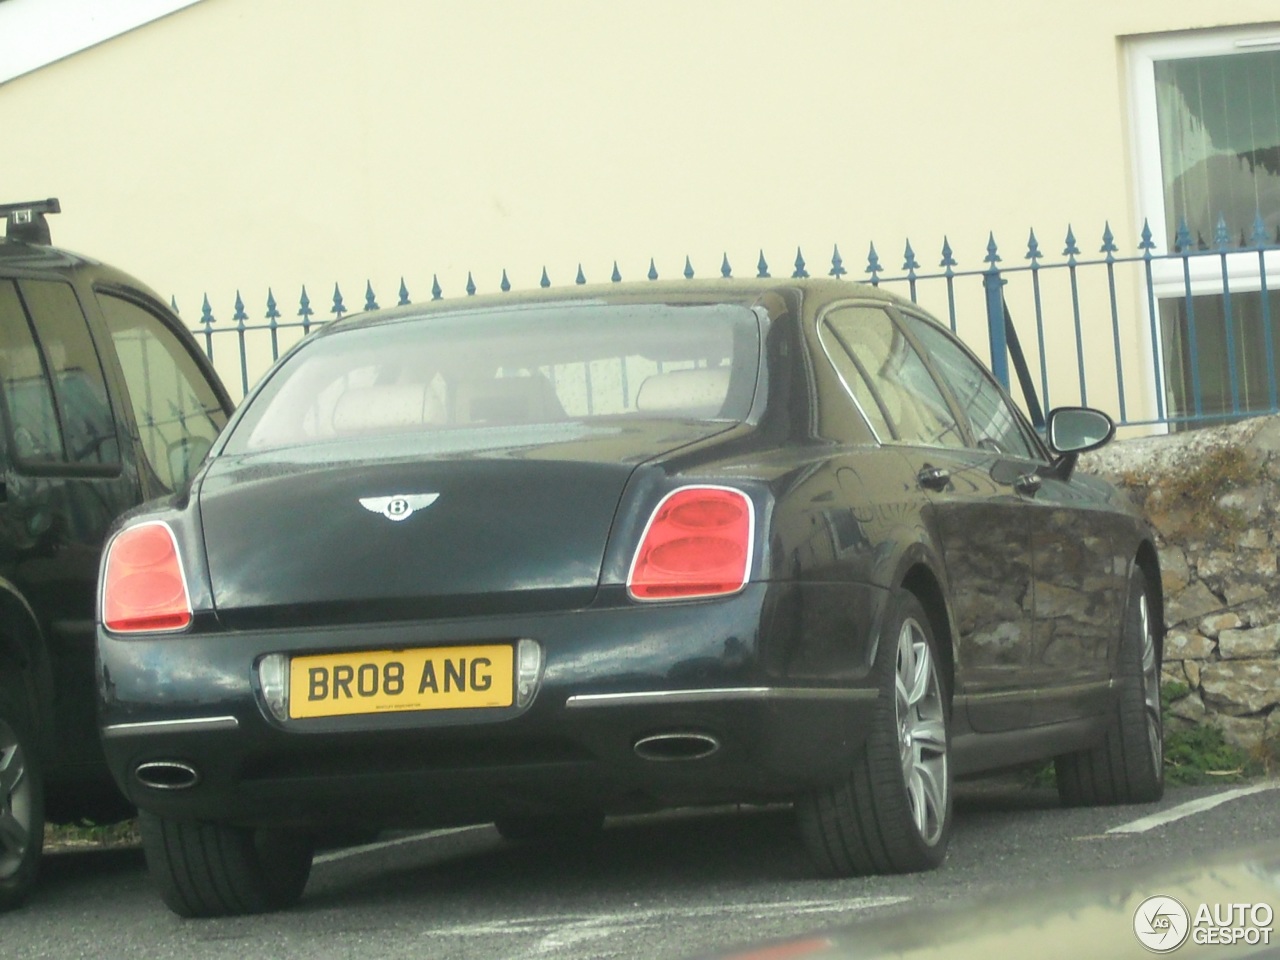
(52, 377)
(176, 409)
(856, 380)
(995, 424)
(909, 397)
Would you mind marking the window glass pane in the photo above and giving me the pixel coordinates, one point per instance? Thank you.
(1252, 324)
(912, 401)
(474, 371)
(87, 423)
(27, 393)
(995, 425)
(1219, 120)
(177, 411)
(855, 378)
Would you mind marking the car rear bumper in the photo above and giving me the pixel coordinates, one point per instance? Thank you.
(741, 699)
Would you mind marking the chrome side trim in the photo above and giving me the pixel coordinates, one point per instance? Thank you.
(642, 697)
(1094, 686)
(1091, 686)
(171, 726)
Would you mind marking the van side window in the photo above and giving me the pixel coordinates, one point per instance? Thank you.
(27, 393)
(88, 427)
(176, 409)
(52, 378)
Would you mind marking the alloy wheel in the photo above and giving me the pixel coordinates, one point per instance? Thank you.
(922, 731)
(16, 803)
(1151, 685)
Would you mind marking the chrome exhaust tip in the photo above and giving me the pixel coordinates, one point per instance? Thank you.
(166, 775)
(679, 745)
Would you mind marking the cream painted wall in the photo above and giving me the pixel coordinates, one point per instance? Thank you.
(243, 143)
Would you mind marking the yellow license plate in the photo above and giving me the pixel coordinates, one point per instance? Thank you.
(390, 681)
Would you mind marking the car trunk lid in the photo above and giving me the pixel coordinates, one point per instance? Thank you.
(407, 531)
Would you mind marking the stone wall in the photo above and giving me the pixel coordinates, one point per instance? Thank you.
(1213, 496)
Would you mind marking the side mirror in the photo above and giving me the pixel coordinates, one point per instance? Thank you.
(1074, 430)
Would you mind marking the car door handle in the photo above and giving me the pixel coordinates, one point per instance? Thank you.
(934, 478)
(1028, 483)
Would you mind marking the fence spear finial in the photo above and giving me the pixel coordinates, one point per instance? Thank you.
(837, 263)
(873, 265)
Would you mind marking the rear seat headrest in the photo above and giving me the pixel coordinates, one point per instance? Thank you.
(370, 409)
(697, 393)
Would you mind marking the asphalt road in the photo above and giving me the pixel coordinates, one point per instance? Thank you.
(671, 886)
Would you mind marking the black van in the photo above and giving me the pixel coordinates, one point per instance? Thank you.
(105, 401)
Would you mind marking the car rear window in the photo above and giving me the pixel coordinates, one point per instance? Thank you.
(478, 370)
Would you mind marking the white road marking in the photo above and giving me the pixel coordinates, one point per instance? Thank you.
(398, 841)
(550, 934)
(568, 930)
(1190, 808)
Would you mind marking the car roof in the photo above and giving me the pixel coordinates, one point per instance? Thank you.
(30, 259)
(747, 292)
(29, 256)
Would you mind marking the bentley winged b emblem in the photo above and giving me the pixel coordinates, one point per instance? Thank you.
(400, 506)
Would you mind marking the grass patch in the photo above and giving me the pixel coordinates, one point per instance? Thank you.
(1201, 755)
(1170, 692)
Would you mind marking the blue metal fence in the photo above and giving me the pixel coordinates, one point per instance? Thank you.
(1159, 340)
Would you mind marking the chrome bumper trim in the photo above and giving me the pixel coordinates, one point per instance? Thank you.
(714, 695)
(171, 726)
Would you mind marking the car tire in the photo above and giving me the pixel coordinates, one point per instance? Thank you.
(551, 827)
(21, 798)
(1128, 766)
(214, 870)
(892, 814)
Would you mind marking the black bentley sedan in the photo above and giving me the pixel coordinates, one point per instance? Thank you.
(539, 558)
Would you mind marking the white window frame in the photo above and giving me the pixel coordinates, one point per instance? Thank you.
(1142, 55)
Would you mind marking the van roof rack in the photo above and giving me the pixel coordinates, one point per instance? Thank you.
(26, 221)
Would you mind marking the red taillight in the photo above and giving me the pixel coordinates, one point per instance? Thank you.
(697, 544)
(143, 588)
